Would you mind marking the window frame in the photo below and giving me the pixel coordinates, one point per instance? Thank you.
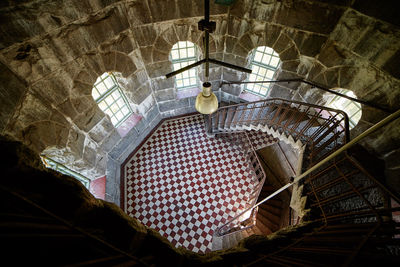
(262, 65)
(58, 167)
(348, 102)
(102, 98)
(184, 62)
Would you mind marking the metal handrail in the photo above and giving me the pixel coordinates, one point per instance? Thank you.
(342, 149)
(318, 86)
(224, 113)
(259, 185)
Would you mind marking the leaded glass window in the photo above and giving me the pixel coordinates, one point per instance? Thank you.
(264, 62)
(352, 108)
(110, 98)
(52, 164)
(183, 54)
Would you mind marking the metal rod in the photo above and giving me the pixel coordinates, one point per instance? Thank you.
(372, 129)
(185, 68)
(228, 65)
(318, 86)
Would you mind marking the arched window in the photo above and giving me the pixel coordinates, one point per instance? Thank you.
(110, 98)
(352, 108)
(52, 164)
(264, 62)
(183, 54)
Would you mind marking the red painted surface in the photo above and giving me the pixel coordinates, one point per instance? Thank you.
(127, 125)
(98, 187)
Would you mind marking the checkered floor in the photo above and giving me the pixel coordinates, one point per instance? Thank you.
(184, 184)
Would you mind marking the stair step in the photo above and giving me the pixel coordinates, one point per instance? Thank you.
(273, 209)
(265, 230)
(274, 218)
(272, 226)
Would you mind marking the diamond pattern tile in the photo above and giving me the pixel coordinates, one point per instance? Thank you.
(184, 184)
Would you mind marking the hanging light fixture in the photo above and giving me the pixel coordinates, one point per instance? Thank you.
(206, 101)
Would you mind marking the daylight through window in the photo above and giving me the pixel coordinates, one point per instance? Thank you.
(49, 163)
(264, 62)
(111, 100)
(352, 108)
(183, 54)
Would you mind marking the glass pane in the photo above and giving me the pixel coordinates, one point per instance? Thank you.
(174, 54)
(109, 82)
(102, 105)
(263, 91)
(109, 100)
(258, 57)
(114, 108)
(192, 81)
(101, 88)
(266, 59)
(183, 53)
(119, 115)
(191, 52)
(270, 74)
(268, 50)
(274, 62)
(95, 94)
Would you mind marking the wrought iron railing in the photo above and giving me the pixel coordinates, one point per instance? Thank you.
(342, 195)
(316, 127)
(257, 174)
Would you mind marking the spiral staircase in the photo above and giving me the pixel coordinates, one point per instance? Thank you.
(350, 206)
(348, 209)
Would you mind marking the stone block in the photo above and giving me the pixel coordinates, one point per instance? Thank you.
(159, 55)
(147, 54)
(173, 105)
(309, 44)
(101, 130)
(138, 12)
(280, 92)
(162, 83)
(88, 120)
(110, 141)
(124, 143)
(151, 114)
(332, 55)
(89, 155)
(83, 103)
(124, 64)
(290, 66)
(233, 76)
(391, 65)
(140, 94)
(145, 35)
(159, 69)
(75, 144)
(165, 95)
(162, 11)
(289, 54)
(232, 89)
(230, 42)
(309, 16)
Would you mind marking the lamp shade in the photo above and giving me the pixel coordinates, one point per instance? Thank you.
(206, 101)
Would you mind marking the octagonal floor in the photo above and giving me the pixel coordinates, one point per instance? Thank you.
(185, 184)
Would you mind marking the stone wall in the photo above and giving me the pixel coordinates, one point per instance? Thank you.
(51, 54)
